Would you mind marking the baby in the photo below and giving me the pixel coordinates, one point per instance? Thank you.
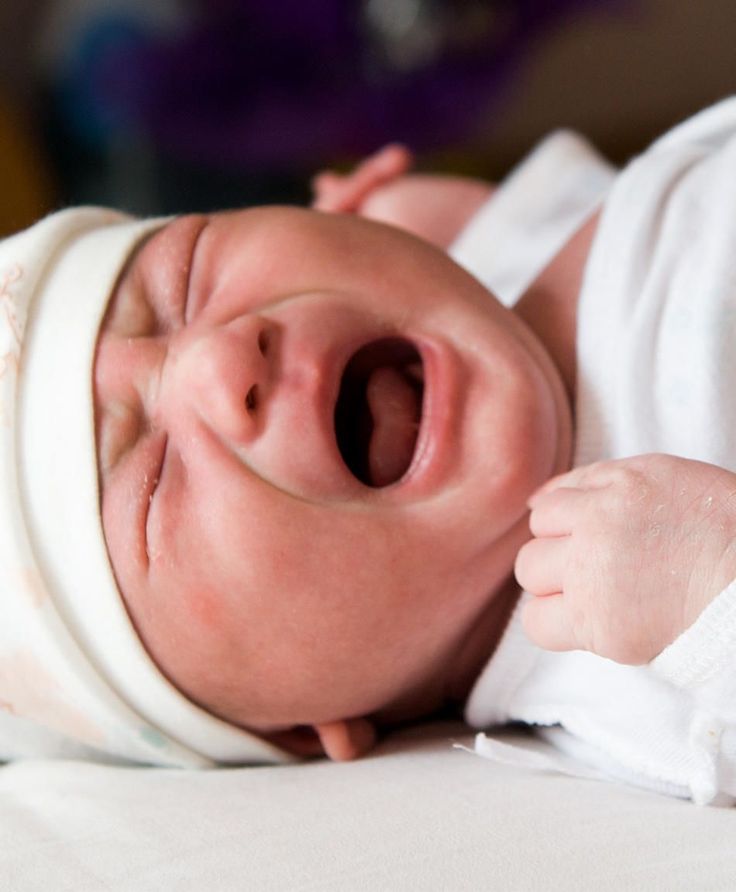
(319, 439)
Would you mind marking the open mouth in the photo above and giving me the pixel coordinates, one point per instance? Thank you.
(379, 410)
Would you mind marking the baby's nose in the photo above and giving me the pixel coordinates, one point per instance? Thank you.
(225, 375)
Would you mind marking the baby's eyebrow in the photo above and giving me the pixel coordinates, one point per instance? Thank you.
(189, 310)
(130, 271)
(117, 427)
(162, 274)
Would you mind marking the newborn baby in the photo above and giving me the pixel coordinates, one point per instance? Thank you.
(310, 501)
(318, 440)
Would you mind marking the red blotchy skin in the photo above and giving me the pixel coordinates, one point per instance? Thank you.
(205, 607)
(270, 584)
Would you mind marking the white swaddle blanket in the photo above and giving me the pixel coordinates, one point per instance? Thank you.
(75, 679)
(655, 354)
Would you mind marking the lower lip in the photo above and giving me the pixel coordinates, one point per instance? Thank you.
(438, 437)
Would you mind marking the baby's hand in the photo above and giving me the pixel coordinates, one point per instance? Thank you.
(627, 554)
(433, 207)
(348, 193)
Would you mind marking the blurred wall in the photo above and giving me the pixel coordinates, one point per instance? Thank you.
(621, 72)
(621, 79)
(26, 183)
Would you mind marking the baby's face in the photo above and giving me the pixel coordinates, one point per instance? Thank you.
(281, 566)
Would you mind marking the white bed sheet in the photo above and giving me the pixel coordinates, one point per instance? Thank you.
(419, 814)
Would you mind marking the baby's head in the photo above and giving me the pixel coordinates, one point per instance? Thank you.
(316, 438)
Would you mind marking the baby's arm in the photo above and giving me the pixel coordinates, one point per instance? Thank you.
(434, 207)
(627, 554)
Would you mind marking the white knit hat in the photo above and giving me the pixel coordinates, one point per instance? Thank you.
(74, 676)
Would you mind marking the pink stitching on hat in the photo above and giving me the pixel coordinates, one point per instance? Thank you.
(9, 278)
(10, 359)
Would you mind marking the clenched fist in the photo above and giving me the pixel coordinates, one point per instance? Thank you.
(626, 554)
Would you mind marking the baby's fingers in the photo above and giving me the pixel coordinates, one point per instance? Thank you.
(540, 565)
(547, 623)
(554, 513)
(332, 192)
(346, 193)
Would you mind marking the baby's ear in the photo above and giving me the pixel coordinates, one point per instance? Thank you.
(340, 741)
(347, 739)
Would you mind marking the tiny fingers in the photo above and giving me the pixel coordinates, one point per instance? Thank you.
(540, 565)
(346, 192)
(547, 623)
(554, 512)
(541, 568)
(331, 191)
(392, 160)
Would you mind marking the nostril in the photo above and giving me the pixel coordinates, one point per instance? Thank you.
(251, 398)
(263, 342)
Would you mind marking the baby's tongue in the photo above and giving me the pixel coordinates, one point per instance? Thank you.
(393, 404)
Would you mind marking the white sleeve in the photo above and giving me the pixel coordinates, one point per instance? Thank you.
(701, 663)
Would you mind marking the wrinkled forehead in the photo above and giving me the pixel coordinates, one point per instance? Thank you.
(298, 247)
(156, 265)
(271, 251)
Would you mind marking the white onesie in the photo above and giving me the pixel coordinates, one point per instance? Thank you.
(655, 345)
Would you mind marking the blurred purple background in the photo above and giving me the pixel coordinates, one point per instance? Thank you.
(248, 84)
(175, 105)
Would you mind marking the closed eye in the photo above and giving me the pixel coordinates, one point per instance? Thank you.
(151, 486)
(191, 305)
(118, 429)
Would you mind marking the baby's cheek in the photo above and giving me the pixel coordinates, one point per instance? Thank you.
(206, 609)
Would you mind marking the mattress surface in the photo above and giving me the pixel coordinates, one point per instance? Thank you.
(418, 814)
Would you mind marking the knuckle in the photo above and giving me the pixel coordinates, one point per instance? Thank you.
(631, 486)
(631, 479)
